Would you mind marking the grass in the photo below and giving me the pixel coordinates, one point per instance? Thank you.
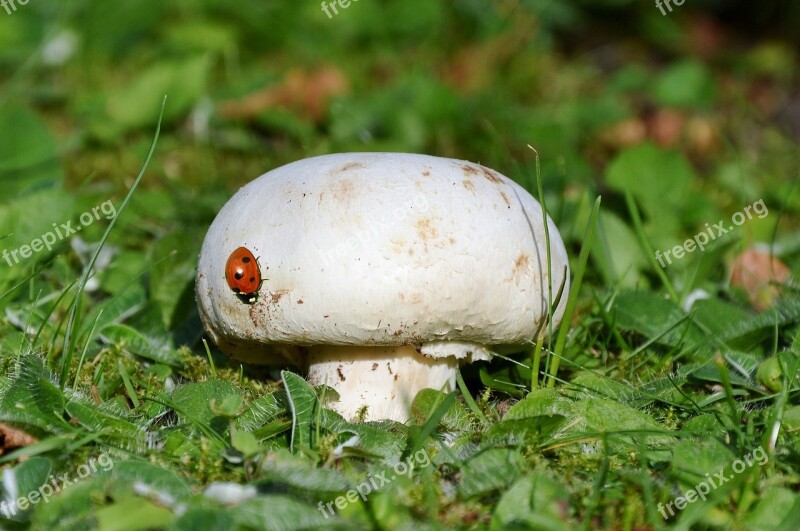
(656, 378)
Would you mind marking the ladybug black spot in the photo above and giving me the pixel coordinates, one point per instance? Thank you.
(252, 279)
(238, 275)
(246, 260)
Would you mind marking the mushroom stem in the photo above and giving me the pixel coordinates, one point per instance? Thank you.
(385, 379)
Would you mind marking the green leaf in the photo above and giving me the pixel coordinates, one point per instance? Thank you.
(455, 418)
(532, 502)
(624, 426)
(281, 513)
(110, 420)
(126, 473)
(692, 459)
(718, 316)
(118, 517)
(195, 399)
(25, 478)
(596, 385)
(375, 440)
(418, 435)
(28, 156)
(228, 406)
(523, 431)
(660, 181)
(203, 518)
(174, 259)
(687, 84)
(303, 404)
(137, 104)
(136, 343)
(21, 229)
(540, 402)
(493, 469)
(592, 384)
(245, 442)
(616, 250)
(33, 398)
(121, 305)
(771, 510)
(262, 410)
(742, 366)
(787, 311)
(285, 468)
(655, 318)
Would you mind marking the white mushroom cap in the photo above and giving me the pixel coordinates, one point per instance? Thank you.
(381, 249)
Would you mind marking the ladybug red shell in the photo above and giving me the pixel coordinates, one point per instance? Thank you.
(242, 274)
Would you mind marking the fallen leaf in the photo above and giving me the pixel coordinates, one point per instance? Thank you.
(701, 135)
(475, 67)
(627, 133)
(12, 438)
(307, 93)
(665, 127)
(706, 36)
(759, 274)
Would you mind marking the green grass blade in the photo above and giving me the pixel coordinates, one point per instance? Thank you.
(572, 300)
(73, 316)
(646, 249)
(468, 398)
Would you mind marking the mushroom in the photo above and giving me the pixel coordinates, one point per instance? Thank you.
(378, 273)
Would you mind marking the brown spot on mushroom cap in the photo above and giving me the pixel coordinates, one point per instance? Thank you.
(374, 366)
(490, 175)
(340, 373)
(469, 170)
(278, 294)
(344, 190)
(505, 199)
(259, 316)
(350, 166)
(426, 173)
(426, 230)
(414, 298)
(520, 266)
(469, 185)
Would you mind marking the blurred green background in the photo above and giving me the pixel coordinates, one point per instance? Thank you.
(696, 113)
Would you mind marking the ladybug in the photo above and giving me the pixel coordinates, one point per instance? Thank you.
(242, 274)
